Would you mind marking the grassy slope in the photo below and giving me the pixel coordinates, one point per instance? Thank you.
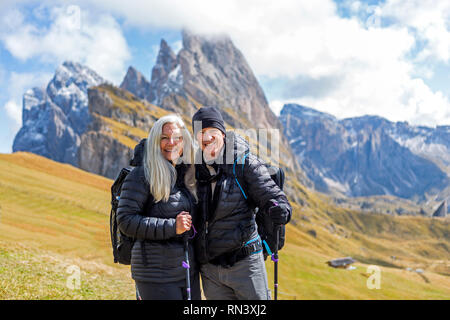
(54, 216)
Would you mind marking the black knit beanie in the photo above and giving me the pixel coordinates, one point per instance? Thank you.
(210, 117)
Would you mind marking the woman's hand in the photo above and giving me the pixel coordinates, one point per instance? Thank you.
(183, 222)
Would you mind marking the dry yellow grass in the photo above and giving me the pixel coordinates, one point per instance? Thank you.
(54, 215)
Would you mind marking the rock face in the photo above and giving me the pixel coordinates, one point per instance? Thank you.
(441, 211)
(166, 77)
(103, 154)
(119, 122)
(341, 262)
(368, 155)
(54, 118)
(100, 151)
(216, 73)
(209, 72)
(136, 83)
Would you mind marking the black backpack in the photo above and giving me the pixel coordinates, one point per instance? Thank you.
(121, 244)
(266, 228)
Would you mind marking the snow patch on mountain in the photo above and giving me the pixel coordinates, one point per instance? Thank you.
(54, 117)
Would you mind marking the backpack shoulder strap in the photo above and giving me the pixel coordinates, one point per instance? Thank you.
(242, 172)
(278, 176)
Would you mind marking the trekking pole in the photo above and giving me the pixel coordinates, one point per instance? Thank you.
(186, 265)
(275, 260)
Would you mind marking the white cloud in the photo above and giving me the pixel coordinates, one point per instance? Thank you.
(176, 46)
(428, 19)
(16, 85)
(14, 111)
(72, 34)
(276, 106)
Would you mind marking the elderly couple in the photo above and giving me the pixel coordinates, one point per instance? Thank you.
(177, 190)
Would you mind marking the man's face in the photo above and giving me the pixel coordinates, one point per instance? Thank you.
(211, 140)
(171, 143)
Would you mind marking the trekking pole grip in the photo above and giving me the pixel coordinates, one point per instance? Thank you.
(277, 243)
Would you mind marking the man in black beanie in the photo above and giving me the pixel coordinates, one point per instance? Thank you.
(228, 246)
(209, 130)
(208, 117)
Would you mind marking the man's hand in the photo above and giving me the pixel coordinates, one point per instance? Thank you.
(280, 213)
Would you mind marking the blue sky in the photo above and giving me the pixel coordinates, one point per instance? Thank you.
(348, 58)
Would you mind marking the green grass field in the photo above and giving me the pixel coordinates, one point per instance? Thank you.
(54, 219)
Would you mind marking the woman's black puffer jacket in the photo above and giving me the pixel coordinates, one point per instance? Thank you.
(158, 251)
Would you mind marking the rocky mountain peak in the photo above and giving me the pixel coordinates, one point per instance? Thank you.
(216, 73)
(163, 80)
(304, 112)
(136, 83)
(73, 72)
(167, 59)
(209, 71)
(55, 117)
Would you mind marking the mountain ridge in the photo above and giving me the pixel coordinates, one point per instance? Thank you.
(369, 155)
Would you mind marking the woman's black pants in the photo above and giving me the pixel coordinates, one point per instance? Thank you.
(168, 291)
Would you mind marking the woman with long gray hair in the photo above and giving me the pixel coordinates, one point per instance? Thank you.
(157, 208)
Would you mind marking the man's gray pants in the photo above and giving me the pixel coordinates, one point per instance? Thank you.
(245, 280)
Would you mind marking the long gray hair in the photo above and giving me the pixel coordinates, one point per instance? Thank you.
(160, 174)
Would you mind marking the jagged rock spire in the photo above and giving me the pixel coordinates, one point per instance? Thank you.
(136, 83)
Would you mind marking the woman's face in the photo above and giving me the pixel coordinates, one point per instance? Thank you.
(171, 143)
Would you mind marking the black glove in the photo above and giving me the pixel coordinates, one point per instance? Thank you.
(280, 213)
